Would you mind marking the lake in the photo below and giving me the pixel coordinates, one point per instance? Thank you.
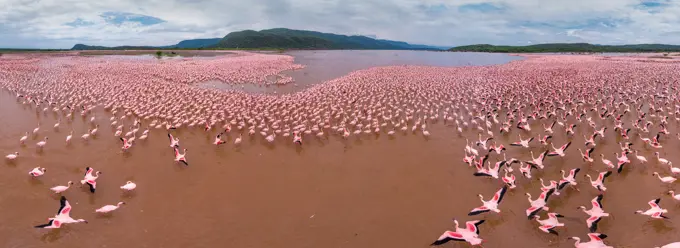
(324, 65)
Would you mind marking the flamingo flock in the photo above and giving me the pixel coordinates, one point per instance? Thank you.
(501, 109)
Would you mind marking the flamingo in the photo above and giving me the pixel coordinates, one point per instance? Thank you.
(522, 143)
(671, 245)
(63, 216)
(599, 182)
(218, 140)
(12, 156)
(509, 180)
(469, 234)
(538, 204)
(640, 158)
(174, 142)
(89, 179)
(179, 157)
(23, 139)
(655, 211)
(238, 140)
(491, 205)
(548, 225)
(37, 171)
(42, 143)
(129, 186)
(622, 160)
(607, 162)
(662, 160)
(526, 170)
(596, 213)
(596, 241)
(126, 143)
(569, 179)
(538, 162)
(586, 156)
(672, 193)
(559, 151)
(109, 208)
(59, 189)
(667, 179)
(68, 137)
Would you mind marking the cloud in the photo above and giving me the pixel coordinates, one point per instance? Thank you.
(119, 18)
(60, 24)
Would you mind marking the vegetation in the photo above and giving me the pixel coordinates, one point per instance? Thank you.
(276, 39)
(568, 48)
(302, 39)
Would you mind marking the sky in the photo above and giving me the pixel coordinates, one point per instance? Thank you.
(63, 23)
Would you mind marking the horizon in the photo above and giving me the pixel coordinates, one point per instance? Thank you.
(60, 25)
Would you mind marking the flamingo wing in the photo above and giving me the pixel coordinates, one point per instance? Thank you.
(478, 210)
(542, 156)
(597, 236)
(590, 151)
(562, 184)
(565, 146)
(473, 225)
(498, 197)
(65, 208)
(532, 211)
(654, 203)
(448, 236)
(92, 184)
(88, 171)
(171, 138)
(592, 223)
(548, 229)
(51, 224)
(597, 201)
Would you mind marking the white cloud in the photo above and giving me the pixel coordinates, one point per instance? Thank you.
(44, 23)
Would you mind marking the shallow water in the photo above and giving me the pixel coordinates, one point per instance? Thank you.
(324, 65)
(371, 191)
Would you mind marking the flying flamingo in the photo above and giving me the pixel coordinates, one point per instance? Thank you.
(174, 142)
(491, 205)
(63, 216)
(548, 225)
(596, 213)
(469, 234)
(179, 157)
(89, 179)
(596, 241)
(655, 211)
(599, 182)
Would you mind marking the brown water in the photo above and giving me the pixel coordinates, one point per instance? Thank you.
(372, 191)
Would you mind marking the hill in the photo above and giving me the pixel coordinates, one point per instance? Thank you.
(568, 47)
(303, 39)
(278, 38)
(197, 43)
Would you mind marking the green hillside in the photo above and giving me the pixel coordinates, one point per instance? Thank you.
(568, 47)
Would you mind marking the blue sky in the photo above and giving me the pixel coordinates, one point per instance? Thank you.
(63, 23)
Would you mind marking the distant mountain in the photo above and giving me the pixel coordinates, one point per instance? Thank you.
(197, 43)
(568, 47)
(86, 47)
(303, 39)
(185, 44)
(279, 38)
